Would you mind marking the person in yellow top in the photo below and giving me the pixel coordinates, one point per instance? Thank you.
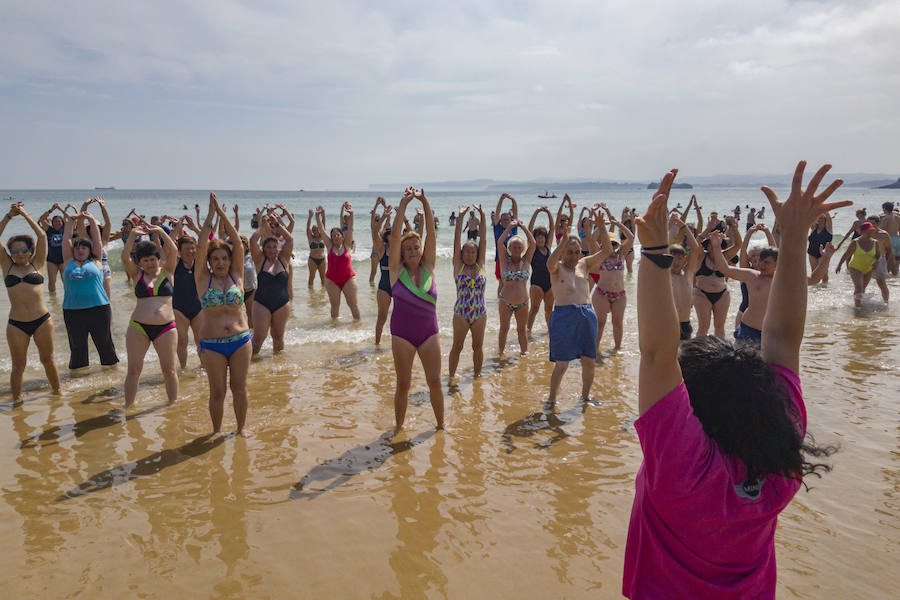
(860, 256)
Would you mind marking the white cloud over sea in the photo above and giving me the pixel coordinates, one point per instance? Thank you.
(281, 95)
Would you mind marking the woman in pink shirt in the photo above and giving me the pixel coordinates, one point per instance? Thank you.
(721, 427)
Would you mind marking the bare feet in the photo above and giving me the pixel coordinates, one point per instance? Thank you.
(246, 432)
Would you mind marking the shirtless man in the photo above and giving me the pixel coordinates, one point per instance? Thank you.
(683, 267)
(889, 221)
(758, 281)
(573, 324)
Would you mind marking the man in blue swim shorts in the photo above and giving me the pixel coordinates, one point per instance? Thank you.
(573, 323)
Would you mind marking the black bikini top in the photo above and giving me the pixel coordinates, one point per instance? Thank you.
(705, 271)
(163, 287)
(33, 278)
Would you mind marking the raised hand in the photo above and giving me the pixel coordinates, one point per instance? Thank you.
(827, 250)
(652, 229)
(803, 207)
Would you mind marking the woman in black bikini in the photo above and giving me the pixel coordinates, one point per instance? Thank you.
(711, 296)
(316, 261)
(540, 277)
(153, 319)
(272, 304)
(23, 261)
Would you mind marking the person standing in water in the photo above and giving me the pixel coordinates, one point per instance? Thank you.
(224, 334)
(272, 304)
(340, 278)
(500, 222)
(23, 263)
(540, 290)
(684, 265)
(861, 256)
(414, 326)
(469, 313)
(53, 229)
(890, 222)
(573, 324)
(377, 223)
(820, 234)
(380, 244)
(719, 464)
(153, 319)
(515, 256)
(316, 261)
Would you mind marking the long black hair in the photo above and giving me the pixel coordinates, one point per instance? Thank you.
(746, 411)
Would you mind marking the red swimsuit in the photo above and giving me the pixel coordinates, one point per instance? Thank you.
(339, 268)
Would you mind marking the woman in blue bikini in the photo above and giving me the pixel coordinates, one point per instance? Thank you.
(414, 326)
(224, 333)
(153, 319)
(468, 312)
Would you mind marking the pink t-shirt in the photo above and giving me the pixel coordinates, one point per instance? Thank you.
(696, 531)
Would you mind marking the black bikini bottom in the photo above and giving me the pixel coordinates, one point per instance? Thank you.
(713, 297)
(29, 327)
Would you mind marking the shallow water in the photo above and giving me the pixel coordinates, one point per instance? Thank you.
(515, 501)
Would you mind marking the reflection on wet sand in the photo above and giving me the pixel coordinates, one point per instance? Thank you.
(365, 457)
(61, 433)
(149, 465)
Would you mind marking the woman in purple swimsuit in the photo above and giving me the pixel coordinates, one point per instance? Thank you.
(414, 326)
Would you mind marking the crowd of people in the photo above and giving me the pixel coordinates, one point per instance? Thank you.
(233, 292)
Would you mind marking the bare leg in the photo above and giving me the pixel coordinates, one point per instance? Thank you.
(602, 308)
(720, 313)
(704, 312)
(521, 328)
(384, 304)
(536, 295)
(587, 376)
(477, 329)
(216, 366)
(311, 265)
(248, 306)
(334, 298)
(18, 348)
(548, 307)
(136, 346)
(279, 323)
(404, 353)
(322, 266)
(430, 355)
(559, 369)
(238, 366)
(43, 339)
(166, 347)
(263, 319)
(52, 271)
(618, 319)
(182, 326)
(505, 316)
(460, 330)
(882, 285)
(350, 289)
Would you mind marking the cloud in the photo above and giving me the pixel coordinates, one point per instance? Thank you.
(330, 82)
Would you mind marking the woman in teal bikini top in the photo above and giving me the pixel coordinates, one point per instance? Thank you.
(224, 333)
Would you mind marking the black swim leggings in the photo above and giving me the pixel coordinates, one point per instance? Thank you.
(96, 322)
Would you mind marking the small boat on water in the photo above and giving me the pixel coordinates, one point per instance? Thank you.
(546, 194)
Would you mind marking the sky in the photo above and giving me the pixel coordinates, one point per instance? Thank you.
(275, 94)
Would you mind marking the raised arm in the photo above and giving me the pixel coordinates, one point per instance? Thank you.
(237, 218)
(106, 228)
(786, 313)
(722, 265)
(429, 252)
(515, 207)
(395, 252)
(203, 241)
(532, 245)
(288, 248)
(556, 255)
(320, 223)
(482, 235)
(658, 330)
(735, 234)
(127, 252)
(457, 236)
(40, 236)
(237, 248)
(628, 242)
(593, 260)
(566, 200)
(495, 218)
(290, 218)
(348, 235)
(4, 256)
(68, 229)
(687, 208)
(744, 260)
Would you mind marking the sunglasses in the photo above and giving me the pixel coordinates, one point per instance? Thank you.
(19, 251)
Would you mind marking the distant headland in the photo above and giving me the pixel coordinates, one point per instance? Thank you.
(890, 186)
(675, 186)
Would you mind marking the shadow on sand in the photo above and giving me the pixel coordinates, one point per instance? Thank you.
(149, 465)
(546, 419)
(61, 433)
(366, 457)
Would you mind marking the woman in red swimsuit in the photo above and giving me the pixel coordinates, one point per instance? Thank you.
(339, 276)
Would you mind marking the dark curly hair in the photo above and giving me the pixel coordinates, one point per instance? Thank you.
(25, 239)
(746, 411)
(143, 249)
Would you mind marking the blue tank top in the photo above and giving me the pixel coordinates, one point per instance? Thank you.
(84, 286)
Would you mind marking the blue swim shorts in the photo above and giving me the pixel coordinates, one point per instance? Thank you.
(573, 332)
(748, 335)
